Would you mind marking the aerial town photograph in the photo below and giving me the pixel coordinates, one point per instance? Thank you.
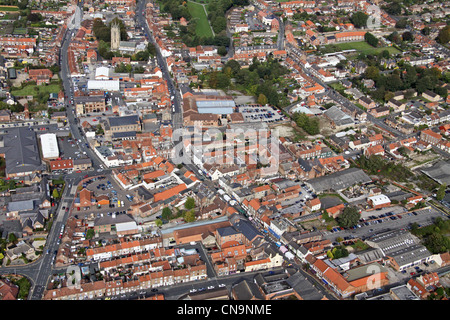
(231, 150)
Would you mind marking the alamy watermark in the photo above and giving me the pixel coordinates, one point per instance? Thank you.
(248, 145)
(374, 19)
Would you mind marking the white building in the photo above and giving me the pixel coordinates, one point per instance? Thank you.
(106, 85)
(49, 146)
(379, 201)
(102, 73)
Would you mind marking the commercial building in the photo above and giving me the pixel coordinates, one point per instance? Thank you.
(339, 180)
(49, 146)
(88, 104)
(104, 85)
(20, 150)
(379, 201)
(400, 248)
(114, 125)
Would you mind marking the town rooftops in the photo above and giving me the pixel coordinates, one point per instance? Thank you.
(123, 121)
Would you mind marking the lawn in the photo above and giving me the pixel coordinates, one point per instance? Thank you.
(364, 47)
(8, 8)
(203, 28)
(31, 91)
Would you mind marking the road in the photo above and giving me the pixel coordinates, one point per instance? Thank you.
(39, 271)
(141, 21)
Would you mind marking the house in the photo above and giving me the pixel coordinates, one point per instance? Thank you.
(41, 76)
(379, 112)
(431, 96)
(430, 136)
(366, 102)
(8, 290)
(86, 198)
(396, 105)
(336, 210)
(374, 150)
(314, 204)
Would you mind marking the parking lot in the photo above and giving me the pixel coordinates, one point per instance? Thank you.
(379, 222)
(258, 113)
(105, 185)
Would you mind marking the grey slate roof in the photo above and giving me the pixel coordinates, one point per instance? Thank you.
(21, 151)
(123, 121)
(303, 287)
(339, 180)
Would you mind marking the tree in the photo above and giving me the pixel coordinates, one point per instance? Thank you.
(166, 213)
(222, 50)
(407, 36)
(309, 124)
(158, 222)
(349, 217)
(440, 194)
(190, 203)
(12, 238)
(437, 243)
(234, 65)
(401, 24)
(371, 39)
(372, 72)
(189, 216)
(90, 233)
(444, 35)
(262, 99)
(359, 19)
(55, 194)
(394, 8)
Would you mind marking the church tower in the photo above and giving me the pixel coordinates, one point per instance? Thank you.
(115, 36)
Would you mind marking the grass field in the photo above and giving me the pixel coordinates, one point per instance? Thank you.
(203, 28)
(364, 47)
(8, 8)
(30, 91)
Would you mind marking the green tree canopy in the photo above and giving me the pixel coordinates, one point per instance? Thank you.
(359, 19)
(190, 203)
(349, 217)
(444, 35)
(440, 194)
(166, 213)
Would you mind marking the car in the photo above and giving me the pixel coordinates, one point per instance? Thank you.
(193, 290)
(221, 285)
(210, 287)
(201, 289)
(154, 290)
(412, 273)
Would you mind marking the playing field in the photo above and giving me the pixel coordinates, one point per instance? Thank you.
(364, 47)
(203, 28)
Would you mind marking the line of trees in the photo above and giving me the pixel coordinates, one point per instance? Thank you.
(371, 39)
